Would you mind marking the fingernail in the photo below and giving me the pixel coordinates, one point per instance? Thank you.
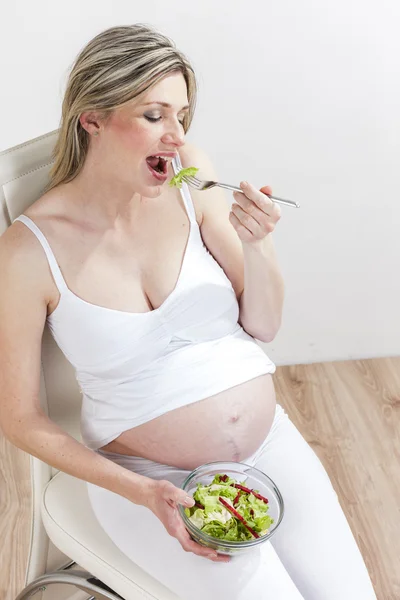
(244, 184)
(189, 502)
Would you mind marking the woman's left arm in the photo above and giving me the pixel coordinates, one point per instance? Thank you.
(254, 217)
(240, 240)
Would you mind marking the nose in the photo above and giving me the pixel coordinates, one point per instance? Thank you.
(174, 134)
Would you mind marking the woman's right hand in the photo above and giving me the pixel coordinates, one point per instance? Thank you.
(163, 500)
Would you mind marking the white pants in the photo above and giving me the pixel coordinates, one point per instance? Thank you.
(313, 555)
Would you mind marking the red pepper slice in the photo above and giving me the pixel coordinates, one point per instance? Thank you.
(249, 491)
(238, 516)
(223, 478)
(198, 505)
(236, 500)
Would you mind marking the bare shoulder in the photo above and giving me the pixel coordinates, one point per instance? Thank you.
(23, 263)
(17, 244)
(18, 240)
(50, 205)
(193, 156)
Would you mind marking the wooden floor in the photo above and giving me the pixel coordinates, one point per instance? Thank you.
(349, 412)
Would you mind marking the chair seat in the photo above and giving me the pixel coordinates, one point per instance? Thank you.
(72, 526)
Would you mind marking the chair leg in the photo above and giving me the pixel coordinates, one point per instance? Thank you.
(80, 579)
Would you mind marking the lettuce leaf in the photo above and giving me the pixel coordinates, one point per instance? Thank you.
(213, 518)
(177, 180)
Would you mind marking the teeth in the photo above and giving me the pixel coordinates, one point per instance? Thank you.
(166, 158)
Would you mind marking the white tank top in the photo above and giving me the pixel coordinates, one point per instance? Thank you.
(134, 367)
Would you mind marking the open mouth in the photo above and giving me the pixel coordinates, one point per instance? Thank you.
(158, 165)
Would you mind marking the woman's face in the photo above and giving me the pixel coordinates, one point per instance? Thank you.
(142, 129)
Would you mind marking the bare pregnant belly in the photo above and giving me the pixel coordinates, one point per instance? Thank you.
(228, 426)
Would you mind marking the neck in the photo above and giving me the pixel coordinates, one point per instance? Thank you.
(104, 198)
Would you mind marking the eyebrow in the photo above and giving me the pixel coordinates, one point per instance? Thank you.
(165, 104)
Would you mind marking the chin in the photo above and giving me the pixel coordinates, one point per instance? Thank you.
(155, 190)
(149, 191)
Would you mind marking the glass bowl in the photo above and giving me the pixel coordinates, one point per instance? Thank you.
(254, 479)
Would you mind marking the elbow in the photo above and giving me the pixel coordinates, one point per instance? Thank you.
(260, 327)
(10, 433)
(266, 338)
(5, 429)
(16, 430)
(265, 335)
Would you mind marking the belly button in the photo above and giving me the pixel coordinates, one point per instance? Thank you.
(234, 418)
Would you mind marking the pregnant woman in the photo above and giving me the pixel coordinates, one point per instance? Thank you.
(156, 295)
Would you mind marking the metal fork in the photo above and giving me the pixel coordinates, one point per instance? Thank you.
(202, 185)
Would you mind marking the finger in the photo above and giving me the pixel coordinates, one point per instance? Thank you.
(248, 205)
(175, 495)
(247, 220)
(276, 211)
(190, 545)
(261, 199)
(265, 207)
(244, 233)
(251, 208)
(265, 216)
(266, 189)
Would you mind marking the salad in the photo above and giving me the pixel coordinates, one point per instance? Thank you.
(229, 510)
(177, 180)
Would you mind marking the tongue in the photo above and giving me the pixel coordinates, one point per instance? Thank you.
(153, 161)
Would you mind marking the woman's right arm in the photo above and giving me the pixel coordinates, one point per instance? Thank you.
(24, 299)
(24, 290)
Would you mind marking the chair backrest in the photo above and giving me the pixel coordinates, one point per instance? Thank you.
(24, 174)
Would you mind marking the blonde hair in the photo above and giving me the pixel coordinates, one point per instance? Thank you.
(116, 66)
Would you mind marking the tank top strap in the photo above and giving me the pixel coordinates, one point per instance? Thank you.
(185, 192)
(55, 269)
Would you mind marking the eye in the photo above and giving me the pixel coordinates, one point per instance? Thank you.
(155, 119)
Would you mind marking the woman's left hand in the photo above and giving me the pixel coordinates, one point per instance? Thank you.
(253, 214)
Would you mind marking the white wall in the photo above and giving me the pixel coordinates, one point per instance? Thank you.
(304, 96)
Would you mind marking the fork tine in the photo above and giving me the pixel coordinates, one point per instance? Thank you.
(190, 178)
(192, 181)
(195, 178)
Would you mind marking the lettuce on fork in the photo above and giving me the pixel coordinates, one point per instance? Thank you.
(230, 511)
(177, 180)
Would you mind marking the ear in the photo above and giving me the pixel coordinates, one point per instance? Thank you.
(91, 122)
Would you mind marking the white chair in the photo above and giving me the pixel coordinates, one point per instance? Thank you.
(68, 546)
